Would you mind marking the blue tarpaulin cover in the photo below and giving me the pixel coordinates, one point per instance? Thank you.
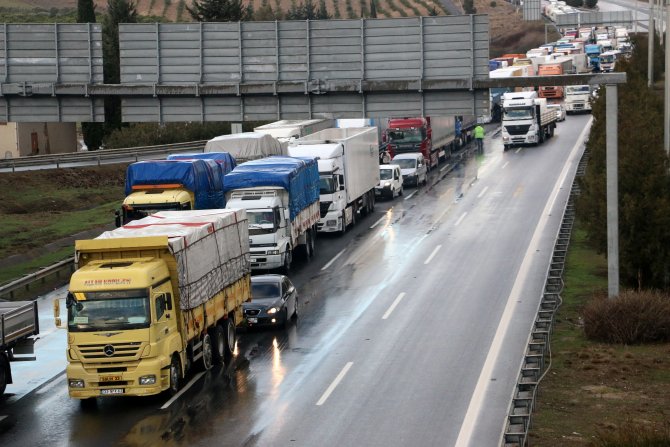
(224, 159)
(299, 176)
(202, 177)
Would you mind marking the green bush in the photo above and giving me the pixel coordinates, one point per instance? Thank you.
(493, 4)
(631, 318)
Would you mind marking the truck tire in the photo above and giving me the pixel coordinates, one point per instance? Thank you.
(288, 259)
(505, 147)
(218, 344)
(372, 201)
(175, 375)
(207, 359)
(4, 373)
(230, 337)
(344, 224)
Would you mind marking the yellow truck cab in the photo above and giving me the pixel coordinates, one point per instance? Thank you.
(150, 300)
(171, 185)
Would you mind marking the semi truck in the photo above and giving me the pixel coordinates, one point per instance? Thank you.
(286, 130)
(526, 119)
(435, 137)
(348, 173)
(153, 299)
(577, 98)
(281, 198)
(19, 324)
(170, 185)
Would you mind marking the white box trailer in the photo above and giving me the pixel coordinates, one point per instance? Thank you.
(348, 164)
(286, 130)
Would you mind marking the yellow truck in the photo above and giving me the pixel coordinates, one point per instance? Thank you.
(154, 298)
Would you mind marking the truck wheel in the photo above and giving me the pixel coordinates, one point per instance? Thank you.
(175, 375)
(400, 192)
(230, 336)
(4, 375)
(218, 344)
(344, 224)
(312, 240)
(288, 258)
(372, 201)
(354, 212)
(88, 404)
(505, 147)
(207, 359)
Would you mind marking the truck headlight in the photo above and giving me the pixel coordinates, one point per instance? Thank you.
(273, 252)
(387, 184)
(76, 383)
(272, 310)
(148, 380)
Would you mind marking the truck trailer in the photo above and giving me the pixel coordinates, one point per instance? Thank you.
(170, 185)
(246, 146)
(286, 130)
(152, 299)
(19, 324)
(526, 119)
(348, 173)
(281, 197)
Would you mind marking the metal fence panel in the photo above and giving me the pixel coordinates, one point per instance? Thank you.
(532, 10)
(52, 109)
(304, 51)
(61, 52)
(623, 18)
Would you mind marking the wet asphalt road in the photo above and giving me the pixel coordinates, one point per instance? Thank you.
(411, 331)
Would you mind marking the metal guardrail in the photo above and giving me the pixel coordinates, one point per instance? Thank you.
(537, 358)
(102, 156)
(8, 291)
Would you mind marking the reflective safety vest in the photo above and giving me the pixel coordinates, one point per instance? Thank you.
(479, 132)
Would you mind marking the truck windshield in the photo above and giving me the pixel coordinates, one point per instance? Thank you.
(136, 212)
(327, 184)
(518, 114)
(405, 136)
(104, 311)
(577, 90)
(265, 217)
(607, 59)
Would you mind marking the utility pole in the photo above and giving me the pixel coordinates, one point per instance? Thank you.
(612, 149)
(650, 46)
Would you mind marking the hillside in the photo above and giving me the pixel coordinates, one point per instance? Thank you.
(508, 31)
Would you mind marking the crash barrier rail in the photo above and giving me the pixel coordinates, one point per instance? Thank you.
(537, 358)
(102, 156)
(64, 267)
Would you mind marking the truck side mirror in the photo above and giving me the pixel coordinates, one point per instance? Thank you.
(57, 313)
(340, 179)
(287, 214)
(117, 218)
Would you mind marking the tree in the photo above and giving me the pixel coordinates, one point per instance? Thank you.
(590, 3)
(643, 183)
(265, 13)
(220, 11)
(92, 132)
(307, 11)
(118, 11)
(373, 9)
(469, 7)
(432, 11)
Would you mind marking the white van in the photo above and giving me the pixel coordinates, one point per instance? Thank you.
(390, 181)
(413, 168)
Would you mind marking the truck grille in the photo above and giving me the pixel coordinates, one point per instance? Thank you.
(517, 129)
(114, 351)
(324, 208)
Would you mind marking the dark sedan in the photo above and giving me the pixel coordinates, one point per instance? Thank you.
(274, 300)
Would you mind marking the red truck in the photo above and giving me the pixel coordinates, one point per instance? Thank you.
(435, 137)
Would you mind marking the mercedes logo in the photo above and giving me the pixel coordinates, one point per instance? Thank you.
(108, 350)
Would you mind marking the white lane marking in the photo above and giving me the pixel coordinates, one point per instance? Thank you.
(2, 417)
(481, 194)
(505, 165)
(407, 198)
(432, 254)
(460, 219)
(445, 167)
(395, 303)
(486, 375)
(333, 385)
(378, 222)
(333, 260)
(55, 382)
(517, 151)
(183, 390)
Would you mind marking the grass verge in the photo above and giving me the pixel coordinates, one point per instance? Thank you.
(598, 394)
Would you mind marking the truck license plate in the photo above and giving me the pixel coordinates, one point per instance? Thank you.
(110, 378)
(252, 320)
(110, 391)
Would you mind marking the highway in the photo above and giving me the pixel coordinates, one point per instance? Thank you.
(411, 332)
